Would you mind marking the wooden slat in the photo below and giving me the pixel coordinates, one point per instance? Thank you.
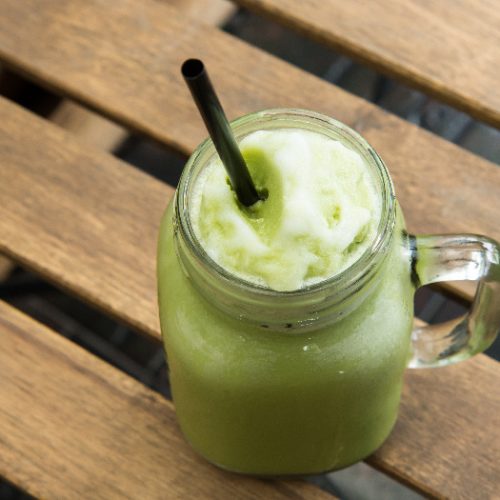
(90, 127)
(74, 427)
(94, 129)
(123, 58)
(70, 209)
(446, 442)
(89, 222)
(446, 48)
(6, 267)
(214, 12)
(104, 134)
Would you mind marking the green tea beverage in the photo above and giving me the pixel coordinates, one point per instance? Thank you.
(320, 213)
(287, 324)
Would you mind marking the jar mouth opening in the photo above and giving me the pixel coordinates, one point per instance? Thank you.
(291, 118)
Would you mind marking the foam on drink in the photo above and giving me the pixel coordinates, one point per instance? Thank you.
(321, 213)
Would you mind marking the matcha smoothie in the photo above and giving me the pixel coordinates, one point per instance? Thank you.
(320, 213)
(286, 324)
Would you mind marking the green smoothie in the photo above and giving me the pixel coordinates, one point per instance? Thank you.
(266, 400)
(320, 213)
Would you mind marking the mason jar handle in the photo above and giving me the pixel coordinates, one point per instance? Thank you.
(451, 258)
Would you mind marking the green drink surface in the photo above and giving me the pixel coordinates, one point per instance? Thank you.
(320, 214)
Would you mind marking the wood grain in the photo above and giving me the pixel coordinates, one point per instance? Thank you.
(90, 127)
(445, 48)
(93, 128)
(214, 12)
(105, 134)
(81, 218)
(88, 222)
(123, 59)
(74, 427)
(452, 413)
(6, 267)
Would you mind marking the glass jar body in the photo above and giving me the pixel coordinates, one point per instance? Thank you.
(271, 402)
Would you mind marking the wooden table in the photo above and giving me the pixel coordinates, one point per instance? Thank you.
(72, 426)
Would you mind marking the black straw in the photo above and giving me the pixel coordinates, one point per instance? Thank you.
(218, 127)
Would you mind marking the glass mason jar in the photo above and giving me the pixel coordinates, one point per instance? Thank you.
(302, 382)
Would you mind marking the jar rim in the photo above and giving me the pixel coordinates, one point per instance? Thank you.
(259, 119)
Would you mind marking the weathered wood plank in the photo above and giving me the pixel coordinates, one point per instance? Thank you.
(123, 58)
(448, 432)
(79, 217)
(71, 426)
(214, 12)
(90, 127)
(445, 48)
(88, 222)
(103, 133)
